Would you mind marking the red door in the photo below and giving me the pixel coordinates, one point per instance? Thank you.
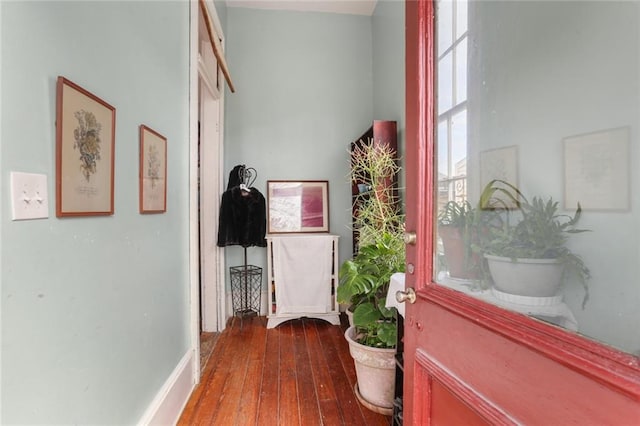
(469, 362)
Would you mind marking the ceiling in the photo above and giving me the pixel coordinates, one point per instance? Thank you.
(354, 7)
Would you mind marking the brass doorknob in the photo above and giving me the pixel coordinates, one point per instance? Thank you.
(410, 238)
(407, 295)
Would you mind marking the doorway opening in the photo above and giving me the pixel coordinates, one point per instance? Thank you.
(206, 258)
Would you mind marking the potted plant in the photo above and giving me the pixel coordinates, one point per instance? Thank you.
(364, 280)
(457, 230)
(379, 220)
(536, 242)
(461, 226)
(375, 166)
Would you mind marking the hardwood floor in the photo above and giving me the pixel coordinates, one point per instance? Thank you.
(299, 373)
(207, 343)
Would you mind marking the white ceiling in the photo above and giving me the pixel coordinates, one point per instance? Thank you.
(354, 7)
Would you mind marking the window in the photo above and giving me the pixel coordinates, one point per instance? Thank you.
(452, 100)
(533, 94)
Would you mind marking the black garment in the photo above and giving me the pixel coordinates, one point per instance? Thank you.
(243, 214)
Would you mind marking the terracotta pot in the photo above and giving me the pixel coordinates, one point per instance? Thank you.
(462, 263)
(375, 372)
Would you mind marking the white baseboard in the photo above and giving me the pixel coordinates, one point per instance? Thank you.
(166, 407)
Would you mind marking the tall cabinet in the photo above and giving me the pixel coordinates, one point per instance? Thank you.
(381, 132)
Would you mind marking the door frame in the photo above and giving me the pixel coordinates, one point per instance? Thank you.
(611, 377)
(216, 310)
(212, 306)
(419, 144)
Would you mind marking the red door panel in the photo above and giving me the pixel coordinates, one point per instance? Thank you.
(449, 410)
(467, 362)
(493, 365)
(441, 391)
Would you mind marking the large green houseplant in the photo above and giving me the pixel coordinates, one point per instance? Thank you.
(364, 280)
(375, 166)
(538, 236)
(364, 283)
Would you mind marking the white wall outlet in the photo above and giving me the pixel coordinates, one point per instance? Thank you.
(29, 196)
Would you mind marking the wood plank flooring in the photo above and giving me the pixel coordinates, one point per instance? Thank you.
(207, 343)
(299, 373)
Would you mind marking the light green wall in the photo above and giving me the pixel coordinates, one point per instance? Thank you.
(388, 70)
(94, 310)
(221, 11)
(304, 91)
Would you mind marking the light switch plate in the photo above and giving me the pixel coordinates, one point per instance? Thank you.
(29, 196)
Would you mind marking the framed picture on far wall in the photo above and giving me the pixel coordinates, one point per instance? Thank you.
(500, 164)
(153, 171)
(297, 206)
(597, 170)
(85, 142)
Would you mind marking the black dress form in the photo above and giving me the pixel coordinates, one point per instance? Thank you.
(243, 218)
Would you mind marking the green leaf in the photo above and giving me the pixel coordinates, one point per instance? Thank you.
(388, 334)
(365, 314)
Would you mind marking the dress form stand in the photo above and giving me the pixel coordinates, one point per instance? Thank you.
(243, 222)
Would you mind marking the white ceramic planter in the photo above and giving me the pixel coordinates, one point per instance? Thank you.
(526, 277)
(375, 371)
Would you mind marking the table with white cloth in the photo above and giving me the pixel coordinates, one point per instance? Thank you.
(302, 272)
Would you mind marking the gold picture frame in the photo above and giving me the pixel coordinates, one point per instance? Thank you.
(153, 171)
(85, 147)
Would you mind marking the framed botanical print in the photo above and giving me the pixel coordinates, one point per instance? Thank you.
(85, 146)
(153, 171)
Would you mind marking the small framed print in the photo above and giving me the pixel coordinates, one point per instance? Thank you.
(596, 169)
(500, 164)
(153, 171)
(297, 206)
(85, 144)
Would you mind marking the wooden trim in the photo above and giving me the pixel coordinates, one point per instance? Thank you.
(420, 125)
(194, 219)
(615, 369)
(207, 79)
(215, 45)
(419, 106)
(480, 404)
